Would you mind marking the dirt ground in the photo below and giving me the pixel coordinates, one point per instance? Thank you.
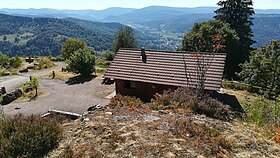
(118, 133)
(76, 96)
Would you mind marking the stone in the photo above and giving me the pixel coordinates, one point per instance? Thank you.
(108, 113)
(17, 108)
(23, 70)
(170, 154)
(162, 112)
(10, 97)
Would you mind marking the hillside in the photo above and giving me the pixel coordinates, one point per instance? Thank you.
(121, 132)
(155, 27)
(43, 36)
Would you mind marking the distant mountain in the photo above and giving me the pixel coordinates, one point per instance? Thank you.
(43, 36)
(156, 26)
(92, 15)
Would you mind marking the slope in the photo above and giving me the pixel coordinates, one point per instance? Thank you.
(43, 36)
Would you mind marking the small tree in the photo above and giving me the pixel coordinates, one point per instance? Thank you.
(70, 46)
(263, 69)
(124, 39)
(82, 61)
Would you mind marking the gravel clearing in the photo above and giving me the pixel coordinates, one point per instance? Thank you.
(75, 98)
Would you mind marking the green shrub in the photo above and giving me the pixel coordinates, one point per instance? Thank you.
(241, 86)
(28, 136)
(15, 62)
(109, 56)
(34, 82)
(262, 111)
(9, 63)
(185, 98)
(82, 61)
(56, 58)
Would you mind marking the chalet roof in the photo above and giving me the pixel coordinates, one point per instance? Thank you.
(168, 68)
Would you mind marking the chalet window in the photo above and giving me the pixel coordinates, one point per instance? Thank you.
(129, 84)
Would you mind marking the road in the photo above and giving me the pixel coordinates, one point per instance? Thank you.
(75, 98)
(58, 95)
(13, 82)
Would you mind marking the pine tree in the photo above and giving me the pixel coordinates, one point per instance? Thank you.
(238, 14)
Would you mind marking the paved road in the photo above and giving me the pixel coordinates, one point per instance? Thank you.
(75, 98)
(12, 82)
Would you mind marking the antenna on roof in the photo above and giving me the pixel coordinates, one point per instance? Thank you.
(143, 55)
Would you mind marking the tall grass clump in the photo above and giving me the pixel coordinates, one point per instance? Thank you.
(262, 111)
(28, 136)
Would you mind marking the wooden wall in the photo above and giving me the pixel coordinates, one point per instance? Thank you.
(142, 90)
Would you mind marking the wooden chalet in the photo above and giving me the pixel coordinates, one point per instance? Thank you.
(143, 73)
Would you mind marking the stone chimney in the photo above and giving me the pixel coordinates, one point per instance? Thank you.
(143, 55)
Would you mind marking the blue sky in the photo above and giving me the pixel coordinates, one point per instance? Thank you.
(103, 4)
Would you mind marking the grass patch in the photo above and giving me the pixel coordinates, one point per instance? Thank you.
(43, 63)
(64, 76)
(102, 63)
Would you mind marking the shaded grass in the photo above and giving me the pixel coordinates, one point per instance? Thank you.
(102, 63)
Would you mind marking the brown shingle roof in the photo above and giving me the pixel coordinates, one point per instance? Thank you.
(167, 68)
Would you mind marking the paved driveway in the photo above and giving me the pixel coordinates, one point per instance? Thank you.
(12, 82)
(61, 96)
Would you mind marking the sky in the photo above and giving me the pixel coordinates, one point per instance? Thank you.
(103, 4)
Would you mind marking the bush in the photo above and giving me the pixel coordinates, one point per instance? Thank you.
(34, 82)
(9, 63)
(109, 56)
(102, 63)
(262, 111)
(82, 61)
(241, 86)
(56, 58)
(125, 101)
(185, 98)
(28, 136)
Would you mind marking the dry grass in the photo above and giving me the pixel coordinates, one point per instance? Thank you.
(129, 133)
(277, 137)
(31, 95)
(64, 76)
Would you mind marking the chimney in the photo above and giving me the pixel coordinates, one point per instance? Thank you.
(143, 55)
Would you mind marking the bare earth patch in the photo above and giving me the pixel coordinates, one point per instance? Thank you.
(122, 132)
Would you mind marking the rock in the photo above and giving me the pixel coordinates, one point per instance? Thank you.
(162, 112)
(108, 113)
(6, 73)
(86, 120)
(23, 70)
(10, 97)
(95, 107)
(17, 108)
(170, 154)
(150, 118)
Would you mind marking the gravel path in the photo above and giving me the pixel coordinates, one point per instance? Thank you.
(61, 96)
(12, 82)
